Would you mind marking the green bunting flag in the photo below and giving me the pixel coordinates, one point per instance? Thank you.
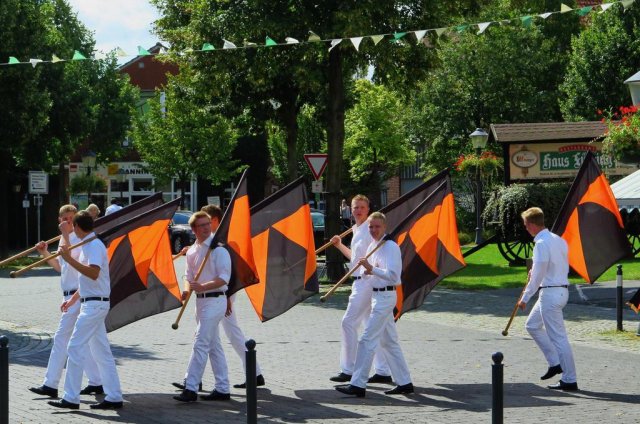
(526, 21)
(13, 61)
(584, 10)
(269, 42)
(143, 52)
(398, 35)
(206, 47)
(78, 56)
(461, 28)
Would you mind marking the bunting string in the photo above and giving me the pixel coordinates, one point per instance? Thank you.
(394, 37)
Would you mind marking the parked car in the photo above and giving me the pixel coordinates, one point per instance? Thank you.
(180, 232)
(317, 218)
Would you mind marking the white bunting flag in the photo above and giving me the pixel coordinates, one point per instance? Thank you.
(564, 8)
(228, 45)
(440, 31)
(34, 62)
(356, 42)
(121, 53)
(290, 40)
(420, 35)
(545, 15)
(334, 43)
(483, 26)
(626, 4)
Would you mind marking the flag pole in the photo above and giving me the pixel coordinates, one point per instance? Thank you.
(186, 300)
(348, 274)
(26, 252)
(505, 332)
(329, 244)
(14, 274)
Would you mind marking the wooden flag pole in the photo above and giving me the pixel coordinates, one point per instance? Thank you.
(328, 244)
(26, 252)
(184, 304)
(505, 332)
(14, 274)
(348, 274)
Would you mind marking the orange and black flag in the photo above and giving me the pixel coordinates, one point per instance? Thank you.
(104, 223)
(284, 252)
(590, 223)
(234, 233)
(428, 240)
(143, 280)
(634, 302)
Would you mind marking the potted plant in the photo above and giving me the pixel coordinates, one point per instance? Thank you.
(622, 139)
(487, 163)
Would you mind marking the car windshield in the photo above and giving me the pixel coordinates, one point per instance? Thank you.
(181, 219)
(317, 219)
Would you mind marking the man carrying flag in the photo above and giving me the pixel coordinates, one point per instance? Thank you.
(382, 273)
(545, 322)
(212, 267)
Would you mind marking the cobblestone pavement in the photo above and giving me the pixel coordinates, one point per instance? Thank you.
(448, 344)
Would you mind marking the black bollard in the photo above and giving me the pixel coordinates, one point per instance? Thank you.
(4, 380)
(496, 388)
(619, 300)
(252, 388)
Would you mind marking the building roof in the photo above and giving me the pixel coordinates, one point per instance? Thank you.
(627, 191)
(148, 73)
(550, 131)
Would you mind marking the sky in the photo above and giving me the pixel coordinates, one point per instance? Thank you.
(118, 23)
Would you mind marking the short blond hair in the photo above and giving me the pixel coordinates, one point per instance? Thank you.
(67, 208)
(361, 197)
(533, 216)
(378, 215)
(196, 216)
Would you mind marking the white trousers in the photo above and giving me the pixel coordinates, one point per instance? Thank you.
(236, 338)
(546, 326)
(358, 308)
(58, 356)
(209, 312)
(380, 331)
(90, 333)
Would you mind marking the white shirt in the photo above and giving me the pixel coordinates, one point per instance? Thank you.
(218, 265)
(68, 274)
(387, 265)
(550, 263)
(112, 208)
(94, 253)
(359, 242)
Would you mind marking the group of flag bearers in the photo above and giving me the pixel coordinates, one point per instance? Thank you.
(397, 256)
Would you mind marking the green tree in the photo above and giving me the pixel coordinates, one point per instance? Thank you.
(376, 144)
(604, 55)
(184, 137)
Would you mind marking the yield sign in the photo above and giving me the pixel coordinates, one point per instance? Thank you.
(317, 162)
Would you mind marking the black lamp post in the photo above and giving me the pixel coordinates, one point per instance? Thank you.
(479, 140)
(89, 161)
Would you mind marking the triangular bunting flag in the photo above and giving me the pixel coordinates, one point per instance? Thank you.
(207, 47)
(290, 40)
(564, 8)
(34, 62)
(269, 42)
(420, 35)
(461, 28)
(526, 21)
(55, 59)
(546, 15)
(249, 44)
(398, 35)
(120, 52)
(334, 43)
(143, 52)
(483, 26)
(605, 6)
(228, 45)
(583, 11)
(13, 60)
(626, 3)
(313, 37)
(376, 39)
(77, 56)
(356, 42)
(440, 31)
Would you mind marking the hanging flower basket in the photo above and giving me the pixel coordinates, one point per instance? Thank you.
(622, 140)
(487, 163)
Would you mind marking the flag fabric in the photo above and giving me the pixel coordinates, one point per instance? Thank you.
(428, 240)
(634, 302)
(143, 279)
(105, 223)
(590, 223)
(234, 233)
(284, 252)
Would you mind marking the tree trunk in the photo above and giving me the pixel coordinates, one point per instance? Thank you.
(335, 145)
(63, 197)
(4, 213)
(289, 117)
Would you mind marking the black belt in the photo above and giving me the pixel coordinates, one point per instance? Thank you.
(356, 277)
(551, 287)
(388, 288)
(69, 293)
(99, 299)
(210, 294)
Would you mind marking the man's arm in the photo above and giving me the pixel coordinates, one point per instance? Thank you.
(41, 247)
(90, 271)
(337, 242)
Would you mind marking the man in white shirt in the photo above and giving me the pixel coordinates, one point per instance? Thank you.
(546, 322)
(211, 305)
(382, 272)
(94, 289)
(69, 285)
(359, 304)
(113, 207)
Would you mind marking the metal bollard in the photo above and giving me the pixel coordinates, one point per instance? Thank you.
(252, 389)
(4, 380)
(497, 390)
(619, 299)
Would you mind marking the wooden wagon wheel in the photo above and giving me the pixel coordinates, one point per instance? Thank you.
(631, 221)
(516, 250)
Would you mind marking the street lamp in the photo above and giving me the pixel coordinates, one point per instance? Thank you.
(634, 87)
(479, 140)
(89, 161)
